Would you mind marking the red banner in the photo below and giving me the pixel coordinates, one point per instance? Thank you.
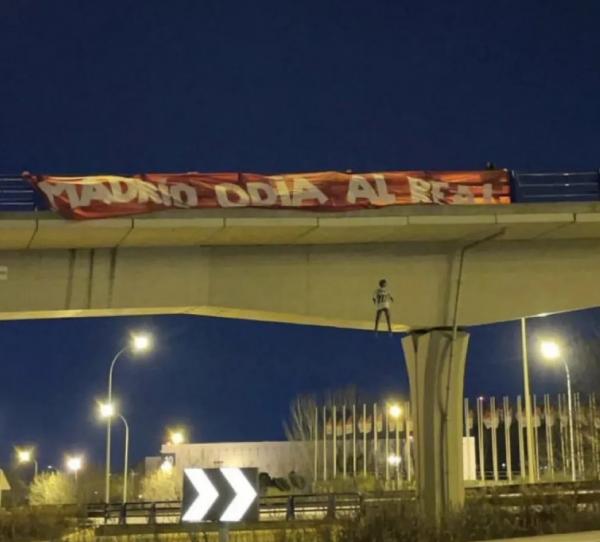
(103, 196)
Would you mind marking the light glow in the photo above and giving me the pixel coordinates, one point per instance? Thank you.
(141, 342)
(166, 466)
(550, 349)
(24, 456)
(394, 460)
(177, 437)
(395, 411)
(107, 410)
(74, 463)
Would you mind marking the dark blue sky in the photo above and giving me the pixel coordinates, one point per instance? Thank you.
(134, 86)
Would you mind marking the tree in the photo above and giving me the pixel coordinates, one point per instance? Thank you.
(161, 485)
(53, 488)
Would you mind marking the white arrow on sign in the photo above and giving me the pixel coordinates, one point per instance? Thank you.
(245, 494)
(207, 495)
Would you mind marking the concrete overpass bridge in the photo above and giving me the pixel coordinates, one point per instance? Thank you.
(447, 267)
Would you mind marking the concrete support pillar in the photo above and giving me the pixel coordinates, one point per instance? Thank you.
(436, 372)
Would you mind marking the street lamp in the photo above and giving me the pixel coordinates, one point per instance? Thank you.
(551, 351)
(176, 436)
(26, 456)
(74, 464)
(107, 411)
(138, 343)
(395, 411)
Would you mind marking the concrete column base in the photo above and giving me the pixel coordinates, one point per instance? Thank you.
(436, 377)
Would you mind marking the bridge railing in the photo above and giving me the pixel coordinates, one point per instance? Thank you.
(17, 194)
(272, 508)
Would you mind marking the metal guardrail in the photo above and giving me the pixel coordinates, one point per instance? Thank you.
(272, 508)
(332, 506)
(17, 194)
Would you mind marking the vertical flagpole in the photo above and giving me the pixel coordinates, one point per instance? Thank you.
(407, 442)
(387, 445)
(531, 468)
(536, 439)
(324, 443)
(375, 439)
(354, 430)
(521, 440)
(548, 425)
(507, 444)
(316, 438)
(334, 447)
(365, 439)
(561, 434)
(344, 443)
(398, 456)
(480, 435)
(580, 458)
(493, 428)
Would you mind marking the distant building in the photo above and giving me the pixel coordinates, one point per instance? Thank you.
(277, 458)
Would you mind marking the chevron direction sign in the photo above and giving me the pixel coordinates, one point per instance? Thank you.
(227, 494)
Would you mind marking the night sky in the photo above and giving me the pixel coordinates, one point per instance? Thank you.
(142, 86)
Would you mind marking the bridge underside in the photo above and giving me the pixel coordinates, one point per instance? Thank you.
(321, 270)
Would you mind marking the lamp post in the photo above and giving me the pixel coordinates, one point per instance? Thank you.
(138, 343)
(107, 410)
(531, 466)
(26, 456)
(551, 351)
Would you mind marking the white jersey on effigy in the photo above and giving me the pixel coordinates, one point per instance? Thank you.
(382, 298)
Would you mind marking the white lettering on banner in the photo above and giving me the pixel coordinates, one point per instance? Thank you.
(222, 192)
(184, 196)
(464, 194)
(120, 196)
(488, 193)
(437, 191)
(305, 190)
(283, 191)
(97, 192)
(148, 192)
(420, 190)
(360, 188)
(53, 190)
(261, 193)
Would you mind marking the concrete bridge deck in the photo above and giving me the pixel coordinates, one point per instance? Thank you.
(558, 221)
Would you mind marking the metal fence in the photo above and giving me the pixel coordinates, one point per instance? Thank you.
(369, 441)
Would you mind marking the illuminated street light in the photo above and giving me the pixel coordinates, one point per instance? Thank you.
(107, 410)
(25, 455)
(74, 464)
(138, 343)
(176, 436)
(551, 351)
(395, 411)
(394, 460)
(141, 343)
